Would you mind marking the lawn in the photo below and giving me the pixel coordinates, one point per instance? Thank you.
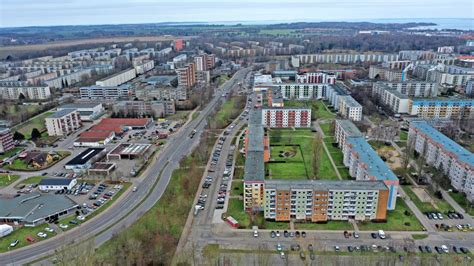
(322, 112)
(10, 153)
(32, 180)
(326, 127)
(277, 32)
(17, 164)
(419, 236)
(237, 188)
(7, 179)
(330, 225)
(326, 170)
(338, 158)
(463, 202)
(36, 122)
(287, 170)
(21, 234)
(20, 164)
(318, 110)
(403, 135)
(179, 115)
(229, 111)
(397, 220)
(238, 173)
(344, 172)
(236, 210)
(442, 205)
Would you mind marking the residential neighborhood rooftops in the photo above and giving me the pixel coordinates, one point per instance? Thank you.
(349, 127)
(374, 165)
(254, 166)
(448, 144)
(325, 185)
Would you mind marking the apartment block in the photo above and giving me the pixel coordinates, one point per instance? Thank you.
(149, 108)
(118, 78)
(20, 91)
(442, 108)
(332, 93)
(87, 111)
(6, 140)
(414, 88)
(286, 117)
(349, 58)
(316, 77)
(385, 73)
(350, 108)
(365, 164)
(63, 123)
(345, 129)
(106, 92)
(187, 76)
(301, 91)
(323, 200)
(396, 101)
(445, 154)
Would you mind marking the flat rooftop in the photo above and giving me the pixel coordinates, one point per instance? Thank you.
(326, 185)
(446, 143)
(61, 113)
(375, 166)
(349, 127)
(254, 169)
(351, 102)
(85, 156)
(130, 149)
(79, 106)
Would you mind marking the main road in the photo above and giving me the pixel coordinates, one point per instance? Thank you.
(131, 205)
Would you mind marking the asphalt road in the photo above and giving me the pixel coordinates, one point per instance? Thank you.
(131, 205)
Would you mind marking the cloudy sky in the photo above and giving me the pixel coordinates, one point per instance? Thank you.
(82, 12)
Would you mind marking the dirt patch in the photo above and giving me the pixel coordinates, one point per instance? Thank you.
(287, 154)
(422, 194)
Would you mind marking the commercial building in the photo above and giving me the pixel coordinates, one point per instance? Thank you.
(23, 91)
(350, 108)
(323, 200)
(118, 78)
(85, 159)
(106, 93)
(87, 111)
(443, 153)
(35, 208)
(94, 138)
(365, 164)
(397, 102)
(63, 123)
(6, 140)
(187, 76)
(149, 108)
(442, 108)
(286, 117)
(128, 151)
(49, 184)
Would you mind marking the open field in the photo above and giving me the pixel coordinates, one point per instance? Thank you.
(7, 179)
(21, 234)
(36, 122)
(10, 153)
(15, 49)
(330, 225)
(276, 32)
(397, 220)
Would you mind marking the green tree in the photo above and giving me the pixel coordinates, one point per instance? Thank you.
(18, 136)
(35, 134)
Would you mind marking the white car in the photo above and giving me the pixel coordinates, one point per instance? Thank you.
(279, 247)
(47, 229)
(445, 249)
(81, 218)
(63, 226)
(134, 189)
(42, 235)
(199, 207)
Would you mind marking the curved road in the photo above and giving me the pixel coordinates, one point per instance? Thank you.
(131, 205)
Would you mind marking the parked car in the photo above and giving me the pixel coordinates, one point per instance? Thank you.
(63, 226)
(14, 243)
(47, 229)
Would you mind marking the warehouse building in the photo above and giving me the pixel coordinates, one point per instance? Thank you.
(85, 159)
(52, 184)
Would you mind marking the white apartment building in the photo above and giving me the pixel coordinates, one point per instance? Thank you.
(63, 123)
(350, 108)
(106, 92)
(384, 73)
(332, 93)
(316, 77)
(444, 154)
(24, 92)
(414, 88)
(287, 117)
(301, 91)
(87, 111)
(396, 101)
(118, 78)
(346, 58)
(145, 66)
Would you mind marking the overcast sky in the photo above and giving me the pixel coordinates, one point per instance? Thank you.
(82, 12)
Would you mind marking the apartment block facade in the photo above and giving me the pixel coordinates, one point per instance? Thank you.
(350, 108)
(106, 92)
(343, 130)
(6, 140)
(286, 117)
(443, 153)
(301, 91)
(316, 77)
(187, 76)
(25, 91)
(393, 99)
(414, 88)
(63, 123)
(442, 108)
(323, 200)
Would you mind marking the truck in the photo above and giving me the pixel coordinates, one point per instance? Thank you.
(382, 234)
(5, 230)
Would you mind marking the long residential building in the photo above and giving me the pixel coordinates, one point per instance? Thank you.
(316, 77)
(106, 92)
(118, 78)
(301, 91)
(150, 108)
(414, 88)
(63, 123)
(349, 58)
(443, 108)
(398, 102)
(345, 129)
(19, 91)
(187, 76)
(385, 73)
(286, 117)
(323, 200)
(87, 111)
(443, 153)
